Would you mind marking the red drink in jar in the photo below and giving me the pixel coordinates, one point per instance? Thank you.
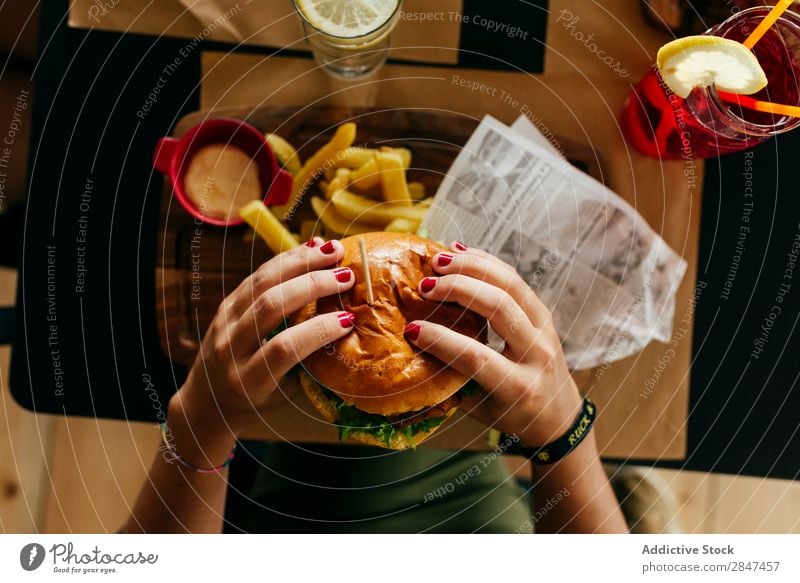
(662, 125)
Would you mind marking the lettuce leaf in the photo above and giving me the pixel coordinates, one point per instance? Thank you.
(470, 388)
(352, 419)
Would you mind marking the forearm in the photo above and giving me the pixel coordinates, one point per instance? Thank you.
(581, 499)
(175, 499)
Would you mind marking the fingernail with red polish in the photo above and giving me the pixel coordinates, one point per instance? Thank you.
(412, 331)
(347, 319)
(328, 248)
(311, 243)
(444, 259)
(460, 246)
(343, 274)
(427, 284)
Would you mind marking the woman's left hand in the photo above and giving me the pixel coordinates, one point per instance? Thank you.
(529, 390)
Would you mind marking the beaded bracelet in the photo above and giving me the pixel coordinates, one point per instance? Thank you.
(174, 456)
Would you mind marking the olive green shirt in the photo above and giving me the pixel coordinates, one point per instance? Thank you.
(301, 488)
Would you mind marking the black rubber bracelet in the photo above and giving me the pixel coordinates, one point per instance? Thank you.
(558, 449)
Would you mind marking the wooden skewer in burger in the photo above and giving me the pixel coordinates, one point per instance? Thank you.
(377, 387)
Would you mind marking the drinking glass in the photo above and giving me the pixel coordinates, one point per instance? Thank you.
(348, 49)
(662, 125)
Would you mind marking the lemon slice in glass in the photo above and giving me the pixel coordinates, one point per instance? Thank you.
(347, 18)
(701, 61)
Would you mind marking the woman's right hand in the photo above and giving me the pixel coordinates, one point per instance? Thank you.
(239, 367)
(528, 387)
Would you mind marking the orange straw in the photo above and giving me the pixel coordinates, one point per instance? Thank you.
(758, 105)
(768, 21)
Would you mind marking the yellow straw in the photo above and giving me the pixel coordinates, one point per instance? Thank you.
(768, 21)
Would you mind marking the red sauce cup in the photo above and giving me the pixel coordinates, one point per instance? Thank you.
(172, 156)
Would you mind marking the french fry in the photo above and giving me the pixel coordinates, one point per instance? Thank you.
(401, 225)
(357, 208)
(322, 158)
(404, 153)
(374, 193)
(285, 153)
(338, 183)
(368, 175)
(354, 157)
(393, 177)
(309, 230)
(277, 237)
(336, 222)
(416, 190)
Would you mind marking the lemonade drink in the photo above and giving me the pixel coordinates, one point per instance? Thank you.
(349, 38)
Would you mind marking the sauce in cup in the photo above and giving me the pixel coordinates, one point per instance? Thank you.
(220, 180)
(220, 165)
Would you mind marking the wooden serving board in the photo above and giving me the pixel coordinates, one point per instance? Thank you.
(198, 264)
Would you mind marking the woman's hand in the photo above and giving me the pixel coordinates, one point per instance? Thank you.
(529, 391)
(239, 367)
(235, 374)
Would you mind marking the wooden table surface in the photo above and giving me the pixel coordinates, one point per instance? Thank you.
(579, 97)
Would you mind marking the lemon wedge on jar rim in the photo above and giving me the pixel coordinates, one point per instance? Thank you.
(702, 61)
(347, 18)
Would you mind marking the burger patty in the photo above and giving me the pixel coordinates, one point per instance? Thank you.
(402, 420)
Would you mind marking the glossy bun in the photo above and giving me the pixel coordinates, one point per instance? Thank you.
(374, 367)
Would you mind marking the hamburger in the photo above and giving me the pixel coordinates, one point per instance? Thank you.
(372, 383)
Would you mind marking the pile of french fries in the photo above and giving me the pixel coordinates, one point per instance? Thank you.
(352, 190)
